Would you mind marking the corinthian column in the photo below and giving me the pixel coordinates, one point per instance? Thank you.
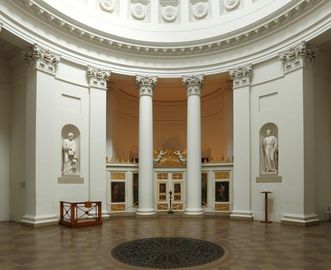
(193, 175)
(145, 86)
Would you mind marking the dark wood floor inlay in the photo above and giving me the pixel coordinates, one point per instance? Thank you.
(167, 252)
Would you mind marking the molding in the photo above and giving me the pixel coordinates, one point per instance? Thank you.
(146, 85)
(300, 220)
(194, 84)
(147, 212)
(83, 51)
(39, 221)
(241, 215)
(282, 17)
(97, 77)
(241, 76)
(298, 57)
(36, 57)
(193, 212)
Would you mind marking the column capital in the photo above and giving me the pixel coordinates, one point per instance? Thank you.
(97, 77)
(297, 57)
(146, 85)
(194, 84)
(37, 57)
(241, 76)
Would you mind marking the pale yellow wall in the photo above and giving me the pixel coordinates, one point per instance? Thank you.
(169, 125)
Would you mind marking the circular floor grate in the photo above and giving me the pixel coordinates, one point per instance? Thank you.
(167, 252)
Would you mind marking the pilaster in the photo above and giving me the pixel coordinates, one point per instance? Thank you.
(97, 80)
(299, 189)
(241, 77)
(40, 136)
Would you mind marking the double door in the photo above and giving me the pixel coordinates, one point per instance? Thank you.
(166, 181)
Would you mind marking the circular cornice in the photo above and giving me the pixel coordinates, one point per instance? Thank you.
(269, 24)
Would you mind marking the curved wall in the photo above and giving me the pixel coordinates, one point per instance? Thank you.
(169, 125)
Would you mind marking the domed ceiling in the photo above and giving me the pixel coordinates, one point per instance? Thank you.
(180, 24)
(168, 38)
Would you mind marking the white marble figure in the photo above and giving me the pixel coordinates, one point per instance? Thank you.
(180, 156)
(269, 146)
(69, 155)
(159, 156)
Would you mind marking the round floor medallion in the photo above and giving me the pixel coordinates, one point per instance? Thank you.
(167, 252)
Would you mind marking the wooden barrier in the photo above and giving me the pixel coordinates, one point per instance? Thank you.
(80, 214)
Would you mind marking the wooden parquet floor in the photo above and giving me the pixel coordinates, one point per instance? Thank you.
(248, 245)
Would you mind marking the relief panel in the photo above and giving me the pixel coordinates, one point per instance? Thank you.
(139, 10)
(169, 11)
(199, 9)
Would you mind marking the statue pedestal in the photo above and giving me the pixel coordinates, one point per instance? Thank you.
(70, 179)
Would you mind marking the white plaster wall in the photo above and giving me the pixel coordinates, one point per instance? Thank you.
(17, 151)
(72, 107)
(290, 102)
(5, 96)
(269, 98)
(322, 118)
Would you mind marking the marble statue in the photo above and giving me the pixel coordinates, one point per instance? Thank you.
(180, 156)
(69, 155)
(269, 147)
(159, 156)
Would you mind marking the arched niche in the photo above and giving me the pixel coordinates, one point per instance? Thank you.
(70, 150)
(269, 149)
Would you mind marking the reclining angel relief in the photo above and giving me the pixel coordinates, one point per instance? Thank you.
(169, 158)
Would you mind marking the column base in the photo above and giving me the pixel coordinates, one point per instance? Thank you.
(39, 221)
(300, 220)
(241, 215)
(145, 212)
(193, 212)
(105, 214)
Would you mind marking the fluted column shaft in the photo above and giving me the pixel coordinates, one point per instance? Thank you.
(145, 198)
(193, 175)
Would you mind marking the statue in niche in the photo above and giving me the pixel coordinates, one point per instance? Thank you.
(180, 156)
(159, 156)
(270, 155)
(70, 158)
